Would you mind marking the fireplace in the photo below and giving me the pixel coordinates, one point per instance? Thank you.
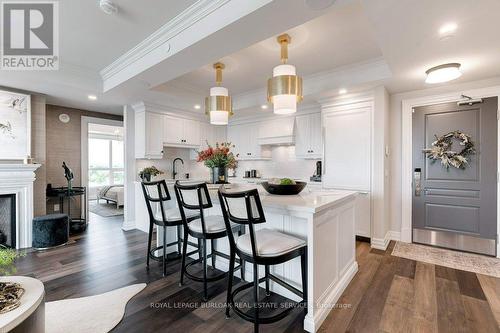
(8, 220)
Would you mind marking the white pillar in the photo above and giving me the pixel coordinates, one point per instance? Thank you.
(130, 169)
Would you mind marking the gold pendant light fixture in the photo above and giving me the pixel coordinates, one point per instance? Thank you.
(218, 106)
(284, 89)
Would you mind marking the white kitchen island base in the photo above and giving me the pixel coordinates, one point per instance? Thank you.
(326, 220)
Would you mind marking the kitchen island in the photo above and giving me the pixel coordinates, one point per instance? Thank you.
(325, 219)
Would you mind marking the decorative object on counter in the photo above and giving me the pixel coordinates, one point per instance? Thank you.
(218, 106)
(284, 89)
(68, 174)
(441, 150)
(316, 177)
(146, 173)
(218, 159)
(283, 186)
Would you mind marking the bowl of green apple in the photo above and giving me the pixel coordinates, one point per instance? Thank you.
(283, 186)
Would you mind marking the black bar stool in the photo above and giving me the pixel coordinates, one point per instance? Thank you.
(260, 247)
(157, 193)
(195, 197)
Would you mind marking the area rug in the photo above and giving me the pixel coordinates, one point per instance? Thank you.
(459, 260)
(93, 314)
(104, 209)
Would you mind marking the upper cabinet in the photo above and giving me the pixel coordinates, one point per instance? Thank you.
(180, 132)
(148, 134)
(210, 134)
(308, 136)
(245, 139)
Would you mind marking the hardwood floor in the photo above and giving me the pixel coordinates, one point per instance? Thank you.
(388, 294)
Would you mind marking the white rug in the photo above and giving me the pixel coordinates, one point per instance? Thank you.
(459, 260)
(93, 314)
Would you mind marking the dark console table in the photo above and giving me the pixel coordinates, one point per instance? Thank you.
(76, 224)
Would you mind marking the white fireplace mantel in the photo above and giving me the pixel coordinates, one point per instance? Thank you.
(18, 179)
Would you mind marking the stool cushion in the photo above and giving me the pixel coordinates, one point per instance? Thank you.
(173, 214)
(269, 243)
(213, 224)
(50, 230)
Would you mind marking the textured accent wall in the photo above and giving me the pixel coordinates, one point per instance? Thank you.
(64, 144)
(38, 152)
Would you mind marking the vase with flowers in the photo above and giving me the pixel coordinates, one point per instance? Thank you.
(218, 159)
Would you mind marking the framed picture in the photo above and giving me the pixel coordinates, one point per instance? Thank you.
(15, 125)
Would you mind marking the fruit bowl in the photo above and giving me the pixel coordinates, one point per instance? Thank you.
(284, 189)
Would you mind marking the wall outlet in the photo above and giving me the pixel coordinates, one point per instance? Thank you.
(56, 207)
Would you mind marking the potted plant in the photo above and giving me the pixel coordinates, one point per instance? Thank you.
(147, 172)
(218, 159)
(7, 258)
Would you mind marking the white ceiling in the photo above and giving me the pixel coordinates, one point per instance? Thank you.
(341, 37)
(404, 33)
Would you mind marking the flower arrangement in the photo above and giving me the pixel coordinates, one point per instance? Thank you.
(7, 259)
(219, 156)
(147, 172)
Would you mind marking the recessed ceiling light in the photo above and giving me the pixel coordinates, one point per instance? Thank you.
(342, 91)
(92, 97)
(264, 106)
(443, 73)
(448, 29)
(197, 106)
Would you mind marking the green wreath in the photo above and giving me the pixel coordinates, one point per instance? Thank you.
(441, 150)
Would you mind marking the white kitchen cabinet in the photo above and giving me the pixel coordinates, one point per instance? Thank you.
(208, 133)
(180, 132)
(347, 161)
(308, 140)
(148, 135)
(245, 139)
(363, 214)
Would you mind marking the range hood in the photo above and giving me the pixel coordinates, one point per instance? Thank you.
(277, 132)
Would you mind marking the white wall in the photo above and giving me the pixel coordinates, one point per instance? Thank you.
(130, 170)
(395, 138)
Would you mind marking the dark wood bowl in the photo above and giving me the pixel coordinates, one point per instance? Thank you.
(284, 189)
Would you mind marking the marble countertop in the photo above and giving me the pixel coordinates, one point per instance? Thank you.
(311, 201)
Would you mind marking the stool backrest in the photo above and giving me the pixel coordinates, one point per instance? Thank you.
(156, 192)
(193, 196)
(243, 207)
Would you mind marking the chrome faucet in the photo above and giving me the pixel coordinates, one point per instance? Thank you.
(173, 166)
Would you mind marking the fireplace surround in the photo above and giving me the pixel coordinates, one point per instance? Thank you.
(8, 220)
(17, 181)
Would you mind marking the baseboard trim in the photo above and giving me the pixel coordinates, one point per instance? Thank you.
(382, 243)
(363, 239)
(331, 296)
(128, 225)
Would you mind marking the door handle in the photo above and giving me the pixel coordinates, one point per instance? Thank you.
(417, 173)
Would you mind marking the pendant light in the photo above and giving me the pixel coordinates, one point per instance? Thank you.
(284, 89)
(218, 105)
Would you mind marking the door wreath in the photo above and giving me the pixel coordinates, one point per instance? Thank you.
(441, 150)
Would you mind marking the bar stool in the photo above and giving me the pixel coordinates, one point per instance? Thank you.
(260, 247)
(156, 192)
(195, 197)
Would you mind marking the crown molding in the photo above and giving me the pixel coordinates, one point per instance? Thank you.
(142, 106)
(160, 37)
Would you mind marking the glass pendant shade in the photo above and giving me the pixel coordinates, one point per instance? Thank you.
(284, 89)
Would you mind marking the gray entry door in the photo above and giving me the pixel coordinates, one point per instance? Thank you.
(456, 208)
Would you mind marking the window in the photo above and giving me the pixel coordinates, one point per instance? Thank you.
(105, 162)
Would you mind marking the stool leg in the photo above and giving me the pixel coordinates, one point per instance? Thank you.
(205, 298)
(256, 297)
(200, 250)
(242, 262)
(164, 250)
(267, 281)
(184, 251)
(303, 264)
(213, 241)
(150, 236)
(230, 277)
(179, 237)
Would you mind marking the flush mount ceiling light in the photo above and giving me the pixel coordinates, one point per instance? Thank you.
(108, 7)
(218, 105)
(443, 73)
(284, 89)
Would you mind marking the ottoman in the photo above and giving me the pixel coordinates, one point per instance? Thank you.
(50, 231)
